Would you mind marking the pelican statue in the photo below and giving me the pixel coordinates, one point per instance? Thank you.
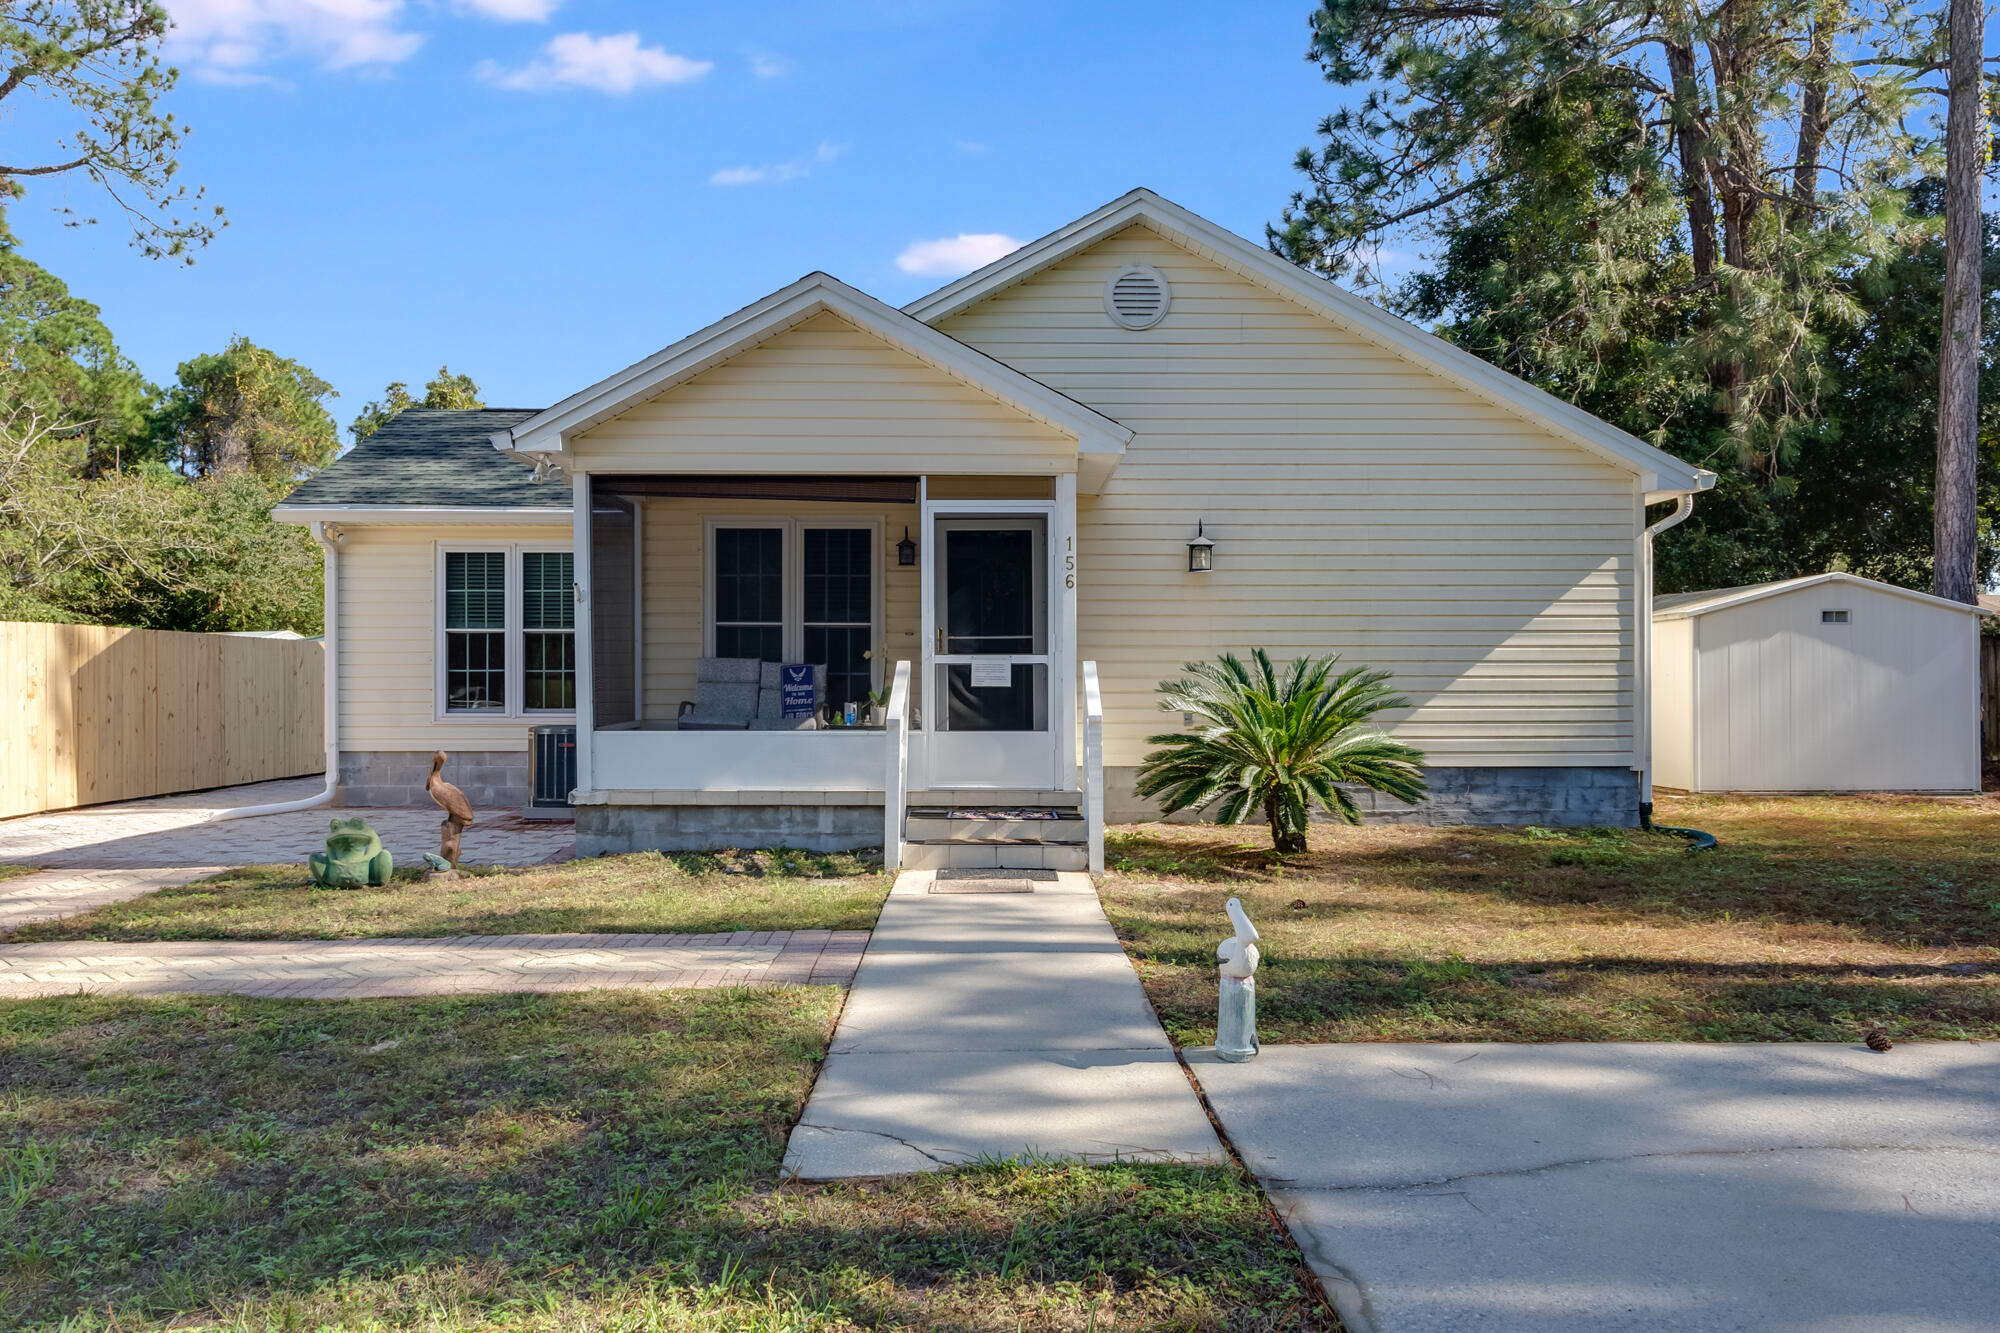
(1236, 1002)
(457, 810)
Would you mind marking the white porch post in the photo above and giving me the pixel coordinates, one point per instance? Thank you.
(1063, 669)
(586, 714)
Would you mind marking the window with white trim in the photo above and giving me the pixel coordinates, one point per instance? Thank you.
(798, 590)
(506, 630)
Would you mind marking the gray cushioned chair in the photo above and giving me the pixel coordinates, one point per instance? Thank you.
(771, 701)
(725, 695)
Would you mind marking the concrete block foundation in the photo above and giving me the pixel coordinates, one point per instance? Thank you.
(1551, 797)
(616, 829)
(490, 779)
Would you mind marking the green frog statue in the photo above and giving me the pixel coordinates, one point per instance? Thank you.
(354, 856)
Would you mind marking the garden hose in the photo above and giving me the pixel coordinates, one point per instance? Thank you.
(1697, 840)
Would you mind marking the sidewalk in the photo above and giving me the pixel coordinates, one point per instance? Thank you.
(465, 965)
(996, 1025)
(51, 894)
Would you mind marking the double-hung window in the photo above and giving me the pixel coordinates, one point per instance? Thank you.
(506, 631)
(798, 590)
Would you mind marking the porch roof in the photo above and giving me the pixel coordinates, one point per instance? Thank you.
(1100, 441)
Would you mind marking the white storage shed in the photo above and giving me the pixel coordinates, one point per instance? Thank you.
(1827, 683)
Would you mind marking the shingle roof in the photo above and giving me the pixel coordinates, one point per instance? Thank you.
(430, 456)
(1683, 604)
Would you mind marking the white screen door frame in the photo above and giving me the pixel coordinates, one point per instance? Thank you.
(1018, 760)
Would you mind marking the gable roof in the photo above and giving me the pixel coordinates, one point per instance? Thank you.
(1100, 440)
(431, 458)
(1661, 473)
(1681, 605)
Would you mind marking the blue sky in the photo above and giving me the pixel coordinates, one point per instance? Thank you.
(542, 191)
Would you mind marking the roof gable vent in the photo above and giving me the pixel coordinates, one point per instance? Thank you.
(1137, 296)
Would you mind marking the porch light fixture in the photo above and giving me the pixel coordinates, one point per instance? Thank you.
(1201, 552)
(906, 550)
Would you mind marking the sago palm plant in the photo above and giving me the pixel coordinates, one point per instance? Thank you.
(1278, 743)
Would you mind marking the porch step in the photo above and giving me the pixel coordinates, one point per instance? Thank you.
(1027, 825)
(1023, 797)
(995, 856)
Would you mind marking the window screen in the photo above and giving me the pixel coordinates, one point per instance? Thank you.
(475, 623)
(750, 593)
(548, 623)
(1833, 617)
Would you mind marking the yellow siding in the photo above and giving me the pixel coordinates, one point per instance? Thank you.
(673, 557)
(387, 639)
(1358, 503)
(825, 397)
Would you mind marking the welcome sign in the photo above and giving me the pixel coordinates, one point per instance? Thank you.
(795, 689)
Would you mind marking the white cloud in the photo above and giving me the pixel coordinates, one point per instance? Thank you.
(767, 65)
(616, 63)
(223, 40)
(949, 256)
(777, 173)
(509, 11)
(968, 146)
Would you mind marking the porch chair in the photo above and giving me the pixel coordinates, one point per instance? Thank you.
(725, 695)
(771, 702)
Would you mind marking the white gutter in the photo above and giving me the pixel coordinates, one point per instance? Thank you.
(1643, 705)
(329, 538)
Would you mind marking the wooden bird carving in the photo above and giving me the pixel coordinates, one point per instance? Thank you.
(450, 798)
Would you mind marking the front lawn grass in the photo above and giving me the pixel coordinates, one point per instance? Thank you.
(590, 1162)
(9, 871)
(1815, 920)
(694, 893)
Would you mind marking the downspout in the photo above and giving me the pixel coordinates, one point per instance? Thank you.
(329, 538)
(1643, 723)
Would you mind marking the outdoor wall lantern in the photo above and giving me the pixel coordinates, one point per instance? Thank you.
(906, 550)
(1201, 552)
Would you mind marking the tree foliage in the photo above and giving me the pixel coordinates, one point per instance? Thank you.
(1275, 744)
(95, 66)
(1714, 174)
(247, 409)
(445, 390)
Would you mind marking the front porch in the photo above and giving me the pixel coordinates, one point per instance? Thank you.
(693, 594)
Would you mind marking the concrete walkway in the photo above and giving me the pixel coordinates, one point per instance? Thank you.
(171, 831)
(1632, 1187)
(50, 894)
(466, 965)
(996, 1025)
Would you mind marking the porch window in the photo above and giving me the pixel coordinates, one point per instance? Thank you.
(506, 631)
(793, 590)
(475, 631)
(750, 593)
(548, 621)
(840, 609)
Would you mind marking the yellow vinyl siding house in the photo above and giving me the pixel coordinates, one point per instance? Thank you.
(1048, 434)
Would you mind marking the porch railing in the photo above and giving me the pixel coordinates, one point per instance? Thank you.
(896, 780)
(1093, 766)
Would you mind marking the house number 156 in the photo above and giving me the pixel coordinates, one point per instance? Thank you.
(1069, 562)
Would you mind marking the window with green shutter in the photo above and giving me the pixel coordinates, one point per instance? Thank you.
(548, 630)
(475, 631)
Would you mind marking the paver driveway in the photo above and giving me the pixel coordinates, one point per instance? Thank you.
(1594, 1187)
(173, 831)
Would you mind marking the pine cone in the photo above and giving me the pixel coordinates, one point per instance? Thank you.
(1298, 904)
(1878, 1040)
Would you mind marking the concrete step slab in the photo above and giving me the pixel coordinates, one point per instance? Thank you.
(1017, 1001)
(893, 1114)
(1035, 922)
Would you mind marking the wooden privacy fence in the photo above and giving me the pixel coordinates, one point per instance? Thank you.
(90, 713)
(1989, 693)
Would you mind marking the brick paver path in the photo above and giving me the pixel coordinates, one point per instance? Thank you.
(173, 831)
(59, 893)
(464, 965)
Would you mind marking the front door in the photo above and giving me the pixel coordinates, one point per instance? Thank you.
(988, 701)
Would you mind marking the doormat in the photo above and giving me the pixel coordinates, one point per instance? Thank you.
(990, 881)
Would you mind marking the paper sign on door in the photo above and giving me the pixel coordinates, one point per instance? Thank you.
(992, 673)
